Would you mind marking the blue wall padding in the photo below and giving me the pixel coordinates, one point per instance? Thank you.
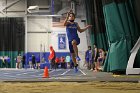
(46, 54)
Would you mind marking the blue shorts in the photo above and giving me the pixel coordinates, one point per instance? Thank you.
(71, 46)
(87, 59)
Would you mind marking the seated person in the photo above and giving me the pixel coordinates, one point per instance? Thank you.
(57, 62)
(62, 60)
(100, 59)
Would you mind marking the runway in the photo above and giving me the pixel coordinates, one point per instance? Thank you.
(62, 75)
(30, 74)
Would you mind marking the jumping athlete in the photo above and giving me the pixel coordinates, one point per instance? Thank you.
(73, 38)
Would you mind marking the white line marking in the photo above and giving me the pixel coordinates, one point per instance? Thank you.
(28, 72)
(7, 76)
(82, 72)
(24, 73)
(65, 72)
(6, 73)
(51, 71)
(58, 69)
(40, 74)
(18, 74)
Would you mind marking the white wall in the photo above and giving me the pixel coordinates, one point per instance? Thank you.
(37, 33)
(14, 10)
(39, 24)
(36, 41)
(19, 6)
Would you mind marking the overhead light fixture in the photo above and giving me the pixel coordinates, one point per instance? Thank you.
(33, 9)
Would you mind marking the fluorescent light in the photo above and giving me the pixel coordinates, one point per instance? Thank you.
(33, 9)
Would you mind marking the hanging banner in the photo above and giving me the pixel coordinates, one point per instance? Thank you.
(61, 41)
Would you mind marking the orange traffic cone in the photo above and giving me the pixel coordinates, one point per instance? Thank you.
(46, 73)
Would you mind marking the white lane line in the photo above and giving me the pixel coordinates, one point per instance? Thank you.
(40, 74)
(51, 71)
(27, 72)
(6, 73)
(18, 74)
(24, 73)
(7, 76)
(65, 72)
(82, 72)
(58, 69)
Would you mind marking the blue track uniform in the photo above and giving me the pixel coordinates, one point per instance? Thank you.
(72, 34)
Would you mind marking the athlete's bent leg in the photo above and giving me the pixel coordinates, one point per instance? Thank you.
(75, 48)
(73, 59)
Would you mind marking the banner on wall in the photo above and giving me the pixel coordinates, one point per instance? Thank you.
(61, 41)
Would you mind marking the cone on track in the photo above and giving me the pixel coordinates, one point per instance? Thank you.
(46, 73)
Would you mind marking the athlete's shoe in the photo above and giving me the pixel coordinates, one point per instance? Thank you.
(78, 58)
(76, 68)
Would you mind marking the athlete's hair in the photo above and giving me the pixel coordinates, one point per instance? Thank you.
(72, 14)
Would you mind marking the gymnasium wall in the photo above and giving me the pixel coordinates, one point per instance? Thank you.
(41, 32)
(38, 33)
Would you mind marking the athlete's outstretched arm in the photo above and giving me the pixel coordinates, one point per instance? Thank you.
(83, 29)
(67, 17)
(66, 20)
